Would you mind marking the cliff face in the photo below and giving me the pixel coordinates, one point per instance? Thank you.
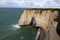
(43, 19)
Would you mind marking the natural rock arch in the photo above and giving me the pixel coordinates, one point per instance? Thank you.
(51, 33)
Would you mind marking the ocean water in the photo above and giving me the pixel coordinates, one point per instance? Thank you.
(9, 29)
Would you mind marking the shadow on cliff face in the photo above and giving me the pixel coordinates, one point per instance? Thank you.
(58, 26)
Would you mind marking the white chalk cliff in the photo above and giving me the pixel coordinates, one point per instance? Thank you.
(43, 19)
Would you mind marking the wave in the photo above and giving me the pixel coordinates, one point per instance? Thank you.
(16, 26)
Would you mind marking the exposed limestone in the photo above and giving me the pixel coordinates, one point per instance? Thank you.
(44, 19)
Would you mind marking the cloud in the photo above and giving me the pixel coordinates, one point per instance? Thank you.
(30, 3)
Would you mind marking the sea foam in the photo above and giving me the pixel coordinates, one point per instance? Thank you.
(16, 26)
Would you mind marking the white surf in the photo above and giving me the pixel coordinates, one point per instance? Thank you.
(16, 26)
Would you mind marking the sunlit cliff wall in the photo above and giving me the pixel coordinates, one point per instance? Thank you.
(44, 18)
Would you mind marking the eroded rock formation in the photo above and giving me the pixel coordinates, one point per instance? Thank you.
(43, 19)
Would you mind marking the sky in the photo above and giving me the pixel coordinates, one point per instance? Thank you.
(30, 3)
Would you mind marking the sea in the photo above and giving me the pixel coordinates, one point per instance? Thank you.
(9, 29)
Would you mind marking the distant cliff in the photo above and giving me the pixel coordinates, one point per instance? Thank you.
(44, 19)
